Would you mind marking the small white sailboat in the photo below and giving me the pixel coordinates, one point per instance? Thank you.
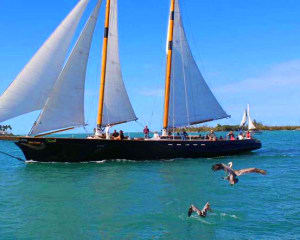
(247, 119)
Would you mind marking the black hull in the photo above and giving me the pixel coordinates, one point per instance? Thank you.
(88, 150)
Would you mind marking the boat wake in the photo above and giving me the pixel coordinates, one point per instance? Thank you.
(30, 161)
(98, 162)
(229, 215)
(211, 219)
(202, 220)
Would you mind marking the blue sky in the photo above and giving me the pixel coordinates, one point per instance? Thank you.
(247, 51)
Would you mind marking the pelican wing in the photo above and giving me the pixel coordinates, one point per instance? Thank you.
(221, 166)
(250, 170)
(193, 209)
(206, 207)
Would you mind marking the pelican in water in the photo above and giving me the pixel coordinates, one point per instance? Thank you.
(201, 213)
(233, 174)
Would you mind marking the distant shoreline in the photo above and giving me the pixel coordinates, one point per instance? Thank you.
(225, 128)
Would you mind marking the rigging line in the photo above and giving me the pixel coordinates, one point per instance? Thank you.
(188, 23)
(173, 100)
(85, 129)
(182, 34)
(140, 123)
(7, 154)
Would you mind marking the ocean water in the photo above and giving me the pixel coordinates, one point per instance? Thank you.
(150, 200)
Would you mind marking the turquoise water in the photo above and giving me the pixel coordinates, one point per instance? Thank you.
(149, 200)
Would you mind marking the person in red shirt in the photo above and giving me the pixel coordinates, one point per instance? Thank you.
(248, 135)
(146, 132)
(231, 135)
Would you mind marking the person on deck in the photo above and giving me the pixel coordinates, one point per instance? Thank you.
(230, 136)
(121, 136)
(107, 135)
(240, 136)
(115, 134)
(156, 136)
(184, 135)
(212, 136)
(248, 135)
(146, 132)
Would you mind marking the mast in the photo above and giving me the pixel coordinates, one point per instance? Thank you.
(103, 70)
(169, 65)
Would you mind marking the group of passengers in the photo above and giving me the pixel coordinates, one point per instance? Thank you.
(183, 135)
(241, 136)
(230, 136)
(115, 135)
(211, 136)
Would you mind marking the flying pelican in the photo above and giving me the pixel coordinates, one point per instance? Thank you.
(232, 174)
(201, 213)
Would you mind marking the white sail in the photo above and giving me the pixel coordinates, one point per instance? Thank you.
(244, 119)
(65, 106)
(117, 106)
(251, 125)
(31, 88)
(191, 100)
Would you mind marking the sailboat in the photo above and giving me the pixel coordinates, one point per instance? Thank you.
(54, 84)
(246, 118)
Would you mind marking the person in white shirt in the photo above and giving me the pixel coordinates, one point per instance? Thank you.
(240, 136)
(107, 128)
(156, 136)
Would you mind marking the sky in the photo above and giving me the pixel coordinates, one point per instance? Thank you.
(247, 51)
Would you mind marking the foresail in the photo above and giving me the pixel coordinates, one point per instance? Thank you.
(117, 106)
(31, 88)
(65, 106)
(191, 100)
(244, 119)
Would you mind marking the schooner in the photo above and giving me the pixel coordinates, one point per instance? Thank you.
(54, 84)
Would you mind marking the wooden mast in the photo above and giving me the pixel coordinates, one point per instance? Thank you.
(103, 70)
(169, 65)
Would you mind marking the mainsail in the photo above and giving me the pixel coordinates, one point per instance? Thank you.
(117, 107)
(31, 88)
(244, 119)
(191, 101)
(65, 106)
(251, 125)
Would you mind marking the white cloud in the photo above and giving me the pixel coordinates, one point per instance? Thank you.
(280, 77)
(273, 95)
